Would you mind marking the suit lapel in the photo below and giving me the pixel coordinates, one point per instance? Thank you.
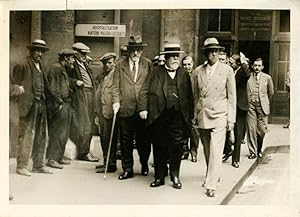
(162, 76)
(126, 69)
(140, 69)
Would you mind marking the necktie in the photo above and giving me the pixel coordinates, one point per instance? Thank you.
(134, 71)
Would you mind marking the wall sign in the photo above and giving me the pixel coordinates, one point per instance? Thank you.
(255, 24)
(100, 30)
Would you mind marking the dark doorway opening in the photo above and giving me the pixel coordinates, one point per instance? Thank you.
(256, 49)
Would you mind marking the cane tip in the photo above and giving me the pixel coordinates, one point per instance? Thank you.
(104, 176)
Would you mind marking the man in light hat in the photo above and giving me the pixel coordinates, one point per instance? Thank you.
(130, 74)
(30, 77)
(59, 108)
(83, 100)
(105, 112)
(166, 102)
(215, 109)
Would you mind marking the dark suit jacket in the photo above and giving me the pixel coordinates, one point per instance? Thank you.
(154, 92)
(125, 90)
(22, 75)
(241, 78)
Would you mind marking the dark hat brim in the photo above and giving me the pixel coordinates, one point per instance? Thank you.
(136, 45)
(32, 47)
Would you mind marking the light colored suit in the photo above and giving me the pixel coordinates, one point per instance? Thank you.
(215, 106)
(257, 119)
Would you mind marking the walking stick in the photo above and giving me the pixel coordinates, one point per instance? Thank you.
(110, 141)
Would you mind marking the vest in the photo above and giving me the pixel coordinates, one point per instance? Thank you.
(172, 93)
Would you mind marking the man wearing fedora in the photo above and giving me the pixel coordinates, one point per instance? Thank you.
(59, 108)
(166, 102)
(130, 74)
(215, 109)
(105, 112)
(32, 110)
(83, 100)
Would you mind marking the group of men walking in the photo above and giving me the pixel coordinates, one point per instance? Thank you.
(164, 104)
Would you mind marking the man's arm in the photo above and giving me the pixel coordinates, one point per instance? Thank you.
(54, 80)
(270, 88)
(231, 99)
(116, 89)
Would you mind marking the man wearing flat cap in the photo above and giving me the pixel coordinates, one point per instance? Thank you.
(215, 109)
(30, 77)
(166, 102)
(83, 100)
(59, 108)
(105, 112)
(130, 74)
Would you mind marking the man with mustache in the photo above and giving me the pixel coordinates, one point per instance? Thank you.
(59, 108)
(129, 76)
(260, 90)
(166, 102)
(30, 77)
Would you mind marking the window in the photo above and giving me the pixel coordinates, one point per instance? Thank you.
(283, 65)
(219, 20)
(284, 25)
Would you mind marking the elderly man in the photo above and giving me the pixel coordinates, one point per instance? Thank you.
(130, 74)
(83, 100)
(105, 112)
(59, 108)
(30, 77)
(215, 109)
(260, 90)
(242, 74)
(188, 64)
(166, 101)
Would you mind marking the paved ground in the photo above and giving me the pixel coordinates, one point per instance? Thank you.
(79, 184)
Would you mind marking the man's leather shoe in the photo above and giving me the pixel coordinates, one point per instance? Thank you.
(109, 169)
(194, 159)
(210, 192)
(235, 164)
(185, 156)
(54, 164)
(252, 156)
(23, 171)
(260, 154)
(176, 183)
(65, 161)
(89, 157)
(126, 175)
(226, 156)
(41, 170)
(145, 170)
(100, 166)
(157, 183)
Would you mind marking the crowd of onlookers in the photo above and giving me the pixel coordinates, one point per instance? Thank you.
(167, 104)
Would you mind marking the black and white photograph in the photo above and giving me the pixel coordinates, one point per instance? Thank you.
(149, 109)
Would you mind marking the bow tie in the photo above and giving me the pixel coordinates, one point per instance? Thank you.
(171, 70)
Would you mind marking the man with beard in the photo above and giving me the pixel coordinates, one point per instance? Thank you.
(242, 74)
(30, 76)
(215, 108)
(59, 108)
(260, 90)
(188, 64)
(129, 76)
(105, 112)
(83, 100)
(166, 101)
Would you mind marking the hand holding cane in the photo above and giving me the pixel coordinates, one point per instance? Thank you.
(110, 141)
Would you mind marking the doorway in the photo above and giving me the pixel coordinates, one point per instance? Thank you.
(257, 49)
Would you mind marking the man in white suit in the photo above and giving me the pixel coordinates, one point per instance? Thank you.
(215, 109)
(260, 91)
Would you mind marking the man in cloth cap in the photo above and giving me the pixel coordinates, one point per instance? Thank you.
(59, 108)
(215, 109)
(83, 100)
(130, 74)
(30, 77)
(166, 101)
(105, 112)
